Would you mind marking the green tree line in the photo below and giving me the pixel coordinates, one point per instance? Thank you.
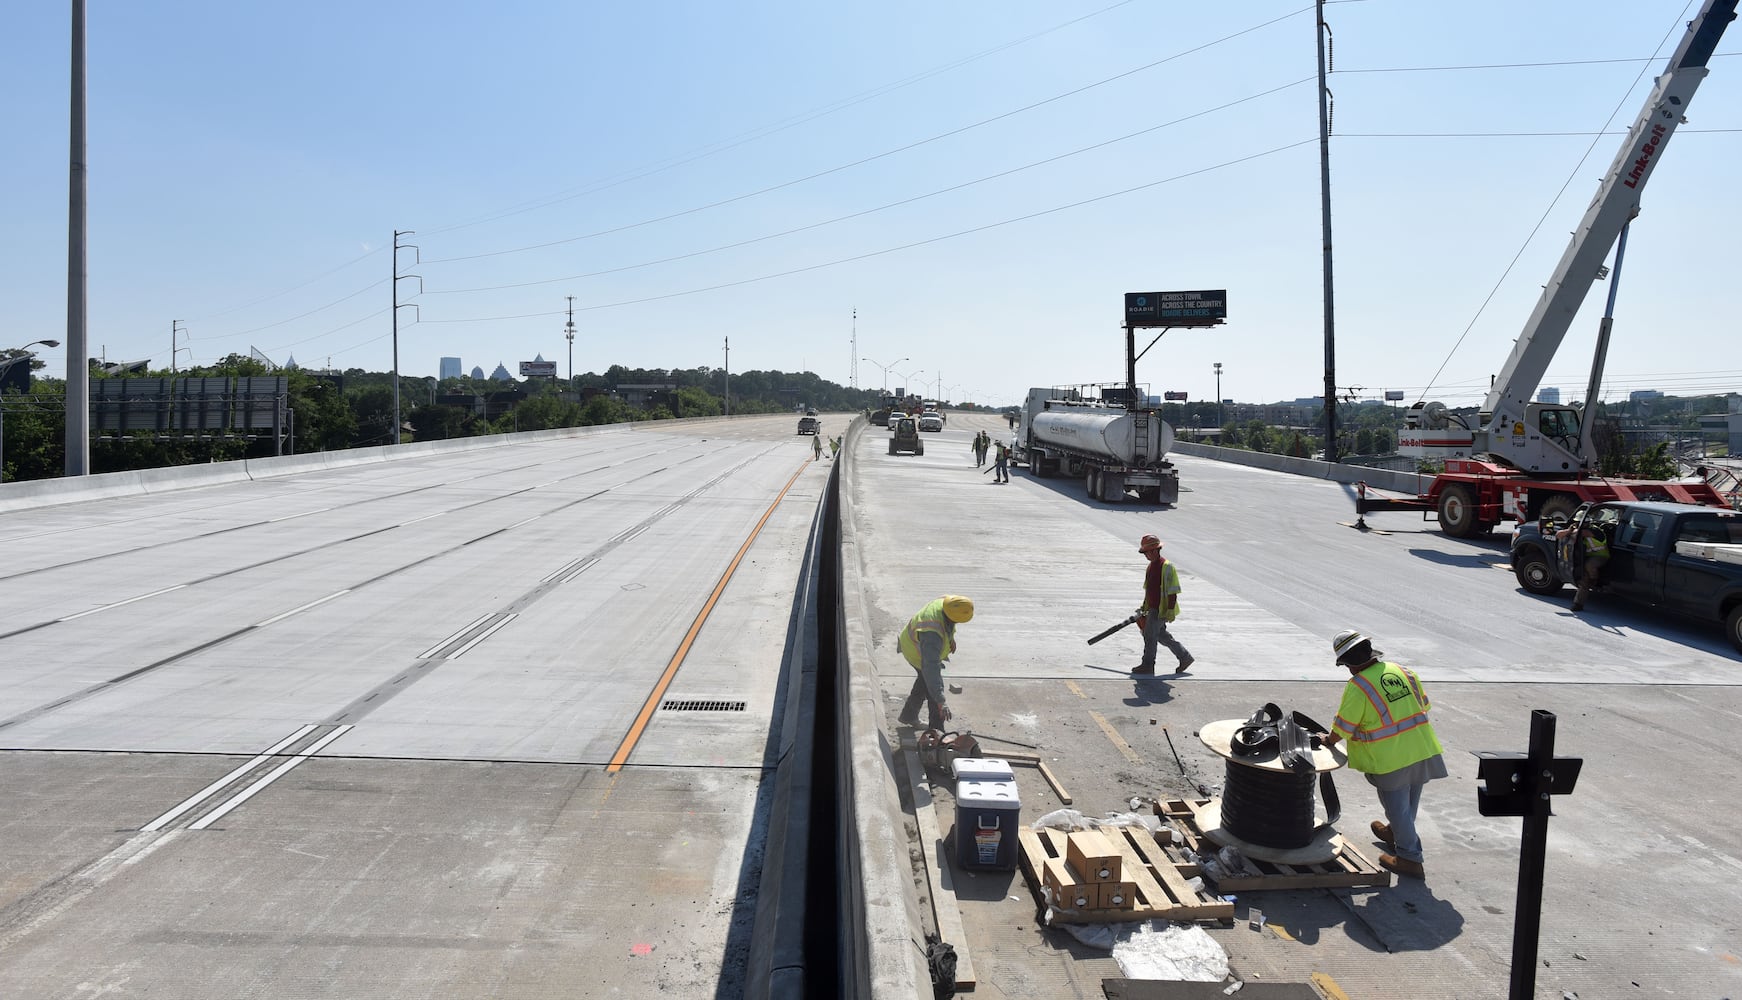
(355, 410)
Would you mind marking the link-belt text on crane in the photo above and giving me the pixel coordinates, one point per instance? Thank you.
(1645, 154)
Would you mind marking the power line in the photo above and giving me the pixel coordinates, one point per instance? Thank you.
(875, 156)
(879, 208)
(896, 249)
(763, 131)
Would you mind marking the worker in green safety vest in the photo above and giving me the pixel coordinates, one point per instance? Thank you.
(926, 642)
(1383, 715)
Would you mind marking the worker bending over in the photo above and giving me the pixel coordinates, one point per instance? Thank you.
(926, 642)
(1383, 715)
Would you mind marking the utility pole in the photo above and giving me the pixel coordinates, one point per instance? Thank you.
(416, 258)
(571, 336)
(853, 361)
(728, 376)
(175, 332)
(1321, 29)
(78, 445)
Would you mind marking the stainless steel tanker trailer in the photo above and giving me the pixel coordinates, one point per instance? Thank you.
(1119, 453)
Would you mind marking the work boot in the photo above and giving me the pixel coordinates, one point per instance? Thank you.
(1185, 664)
(1143, 671)
(1402, 866)
(1382, 831)
(1579, 596)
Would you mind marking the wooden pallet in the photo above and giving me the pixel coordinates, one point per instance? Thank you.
(1349, 868)
(1161, 889)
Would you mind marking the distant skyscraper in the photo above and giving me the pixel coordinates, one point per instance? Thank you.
(1549, 394)
(501, 373)
(450, 368)
(478, 372)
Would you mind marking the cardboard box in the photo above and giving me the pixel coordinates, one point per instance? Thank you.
(1116, 895)
(1066, 891)
(1093, 856)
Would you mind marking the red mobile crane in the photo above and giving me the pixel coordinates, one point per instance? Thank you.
(1523, 459)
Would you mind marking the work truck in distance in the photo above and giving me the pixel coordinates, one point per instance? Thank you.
(1682, 558)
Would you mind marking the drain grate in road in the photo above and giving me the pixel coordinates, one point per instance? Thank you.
(701, 705)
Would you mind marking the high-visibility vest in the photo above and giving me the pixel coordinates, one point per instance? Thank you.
(930, 619)
(1169, 588)
(1384, 717)
(1596, 546)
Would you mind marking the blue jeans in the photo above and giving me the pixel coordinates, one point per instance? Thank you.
(1400, 806)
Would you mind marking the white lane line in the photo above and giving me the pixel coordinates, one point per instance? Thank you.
(271, 776)
(119, 604)
(426, 517)
(585, 564)
(517, 524)
(292, 517)
(452, 636)
(211, 789)
(305, 607)
(487, 633)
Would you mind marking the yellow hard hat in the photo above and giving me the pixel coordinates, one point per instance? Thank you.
(958, 609)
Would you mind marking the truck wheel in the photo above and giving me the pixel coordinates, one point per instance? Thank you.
(1091, 485)
(1561, 507)
(919, 449)
(1733, 626)
(1534, 573)
(892, 447)
(1457, 512)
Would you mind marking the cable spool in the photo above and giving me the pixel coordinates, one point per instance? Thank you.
(1266, 808)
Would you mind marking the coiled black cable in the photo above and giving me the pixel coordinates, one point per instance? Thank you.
(1271, 808)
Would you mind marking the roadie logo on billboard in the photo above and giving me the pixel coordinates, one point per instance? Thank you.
(1196, 308)
(536, 369)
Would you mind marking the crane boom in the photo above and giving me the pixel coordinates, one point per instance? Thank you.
(1541, 437)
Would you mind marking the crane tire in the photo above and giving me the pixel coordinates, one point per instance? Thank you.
(1457, 510)
(1561, 506)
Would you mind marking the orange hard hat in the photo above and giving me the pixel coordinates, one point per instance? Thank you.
(1149, 544)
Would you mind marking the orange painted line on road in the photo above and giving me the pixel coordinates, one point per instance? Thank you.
(645, 716)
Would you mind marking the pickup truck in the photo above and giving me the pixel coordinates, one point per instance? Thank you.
(1679, 557)
(809, 425)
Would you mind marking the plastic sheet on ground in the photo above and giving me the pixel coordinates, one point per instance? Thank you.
(1074, 819)
(1175, 952)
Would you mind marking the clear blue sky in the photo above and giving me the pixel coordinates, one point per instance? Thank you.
(693, 171)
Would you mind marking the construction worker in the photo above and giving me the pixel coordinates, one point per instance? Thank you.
(816, 446)
(1383, 715)
(1596, 545)
(1160, 607)
(834, 448)
(981, 442)
(1000, 462)
(926, 642)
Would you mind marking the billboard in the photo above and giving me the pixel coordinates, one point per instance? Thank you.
(1207, 307)
(1393, 395)
(1180, 396)
(538, 369)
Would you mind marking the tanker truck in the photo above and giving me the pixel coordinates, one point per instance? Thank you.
(1120, 453)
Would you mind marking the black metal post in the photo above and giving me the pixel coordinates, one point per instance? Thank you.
(1539, 778)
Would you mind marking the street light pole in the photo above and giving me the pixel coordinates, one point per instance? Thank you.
(886, 368)
(1221, 421)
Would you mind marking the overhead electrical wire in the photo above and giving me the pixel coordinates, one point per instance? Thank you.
(875, 156)
(763, 131)
(894, 249)
(879, 208)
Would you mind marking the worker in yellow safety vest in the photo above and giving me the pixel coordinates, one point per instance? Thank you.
(926, 642)
(1383, 715)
